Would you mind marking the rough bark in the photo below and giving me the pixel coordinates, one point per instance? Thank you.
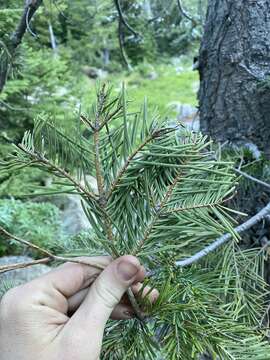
(31, 7)
(234, 66)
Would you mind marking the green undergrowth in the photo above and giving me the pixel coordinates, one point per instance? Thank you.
(171, 86)
(35, 222)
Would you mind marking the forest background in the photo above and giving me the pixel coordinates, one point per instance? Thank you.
(193, 62)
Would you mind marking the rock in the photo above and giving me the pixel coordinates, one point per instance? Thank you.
(179, 69)
(73, 218)
(188, 115)
(21, 276)
(94, 73)
(186, 111)
(152, 75)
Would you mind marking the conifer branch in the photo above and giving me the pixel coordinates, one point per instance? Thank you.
(225, 238)
(41, 159)
(126, 164)
(158, 208)
(99, 172)
(252, 178)
(199, 206)
(102, 192)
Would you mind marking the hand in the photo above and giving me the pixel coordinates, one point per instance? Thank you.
(62, 315)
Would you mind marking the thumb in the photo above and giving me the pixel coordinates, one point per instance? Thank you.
(106, 292)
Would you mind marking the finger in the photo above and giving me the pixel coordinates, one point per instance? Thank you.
(105, 294)
(75, 301)
(121, 311)
(54, 288)
(147, 291)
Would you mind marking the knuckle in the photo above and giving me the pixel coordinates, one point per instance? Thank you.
(106, 294)
(13, 302)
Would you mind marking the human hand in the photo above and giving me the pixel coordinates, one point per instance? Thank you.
(62, 315)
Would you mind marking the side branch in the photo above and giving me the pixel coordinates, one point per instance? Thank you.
(225, 238)
(10, 267)
(43, 160)
(49, 256)
(252, 178)
(199, 206)
(16, 38)
(184, 13)
(158, 213)
(126, 164)
(29, 11)
(122, 18)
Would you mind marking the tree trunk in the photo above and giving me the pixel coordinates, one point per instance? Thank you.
(234, 66)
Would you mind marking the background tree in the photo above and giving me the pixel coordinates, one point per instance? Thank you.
(234, 66)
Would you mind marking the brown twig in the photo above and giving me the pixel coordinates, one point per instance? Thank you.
(43, 251)
(41, 159)
(6, 268)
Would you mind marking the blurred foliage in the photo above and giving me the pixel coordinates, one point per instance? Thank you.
(36, 222)
(52, 81)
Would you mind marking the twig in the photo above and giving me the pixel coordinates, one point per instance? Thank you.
(10, 267)
(122, 18)
(25, 242)
(225, 238)
(28, 23)
(184, 13)
(102, 198)
(252, 178)
(121, 46)
(49, 255)
(42, 159)
(126, 164)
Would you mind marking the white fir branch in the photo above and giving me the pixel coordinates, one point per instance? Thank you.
(225, 238)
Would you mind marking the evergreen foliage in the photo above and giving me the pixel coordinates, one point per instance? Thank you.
(162, 197)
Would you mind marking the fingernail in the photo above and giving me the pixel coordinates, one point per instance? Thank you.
(127, 270)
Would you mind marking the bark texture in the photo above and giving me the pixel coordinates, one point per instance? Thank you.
(234, 66)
